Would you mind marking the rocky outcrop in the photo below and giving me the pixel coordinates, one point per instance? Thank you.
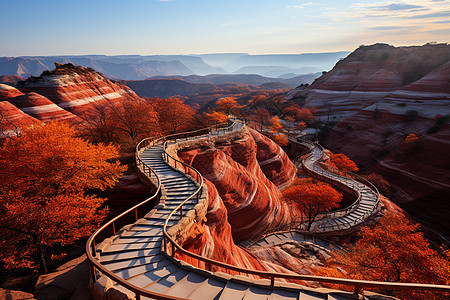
(15, 295)
(62, 94)
(69, 281)
(246, 172)
(368, 75)
(374, 138)
(76, 88)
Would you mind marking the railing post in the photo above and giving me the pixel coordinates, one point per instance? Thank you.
(173, 249)
(165, 243)
(181, 211)
(356, 292)
(136, 214)
(114, 228)
(92, 269)
(272, 280)
(138, 296)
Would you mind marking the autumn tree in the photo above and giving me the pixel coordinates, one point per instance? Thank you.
(394, 251)
(312, 197)
(262, 115)
(409, 144)
(301, 126)
(275, 131)
(214, 117)
(44, 174)
(306, 114)
(173, 115)
(124, 123)
(342, 162)
(228, 106)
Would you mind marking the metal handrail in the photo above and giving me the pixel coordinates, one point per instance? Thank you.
(94, 264)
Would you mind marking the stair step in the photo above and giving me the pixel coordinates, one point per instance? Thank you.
(187, 285)
(210, 289)
(146, 279)
(133, 271)
(131, 246)
(283, 295)
(256, 293)
(233, 290)
(162, 285)
(311, 296)
(129, 254)
(133, 262)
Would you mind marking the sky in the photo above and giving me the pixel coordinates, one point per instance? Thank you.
(148, 27)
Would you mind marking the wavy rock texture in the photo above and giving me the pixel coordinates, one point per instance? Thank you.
(61, 94)
(243, 201)
(76, 88)
(420, 173)
(368, 75)
(250, 196)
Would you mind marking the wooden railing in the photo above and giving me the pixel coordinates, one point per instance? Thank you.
(169, 242)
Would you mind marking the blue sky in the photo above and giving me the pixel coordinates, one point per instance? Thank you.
(63, 27)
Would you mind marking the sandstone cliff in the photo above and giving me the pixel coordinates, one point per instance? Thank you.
(242, 175)
(61, 94)
(374, 137)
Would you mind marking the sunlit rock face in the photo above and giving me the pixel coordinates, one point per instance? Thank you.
(252, 200)
(76, 88)
(62, 94)
(243, 200)
(374, 138)
(367, 76)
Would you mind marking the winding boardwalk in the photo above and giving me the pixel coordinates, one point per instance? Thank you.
(367, 202)
(137, 262)
(135, 253)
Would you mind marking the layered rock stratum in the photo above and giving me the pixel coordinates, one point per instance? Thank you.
(378, 96)
(62, 94)
(243, 193)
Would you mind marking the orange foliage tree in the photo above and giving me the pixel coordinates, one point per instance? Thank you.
(214, 117)
(342, 162)
(124, 123)
(42, 202)
(394, 251)
(173, 115)
(275, 131)
(262, 115)
(306, 114)
(228, 106)
(312, 197)
(409, 144)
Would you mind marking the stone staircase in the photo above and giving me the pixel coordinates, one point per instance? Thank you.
(367, 202)
(280, 237)
(135, 254)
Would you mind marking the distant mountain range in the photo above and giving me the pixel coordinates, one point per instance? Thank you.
(137, 67)
(166, 86)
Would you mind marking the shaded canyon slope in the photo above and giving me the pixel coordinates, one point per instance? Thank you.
(378, 96)
(61, 94)
(243, 173)
(366, 76)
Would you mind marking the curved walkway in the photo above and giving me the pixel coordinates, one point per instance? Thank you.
(135, 253)
(367, 202)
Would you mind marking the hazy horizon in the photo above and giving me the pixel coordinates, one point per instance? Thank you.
(174, 27)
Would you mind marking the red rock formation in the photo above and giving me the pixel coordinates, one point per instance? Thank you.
(10, 79)
(41, 108)
(420, 174)
(368, 75)
(7, 92)
(76, 88)
(12, 119)
(213, 239)
(251, 199)
(61, 94)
